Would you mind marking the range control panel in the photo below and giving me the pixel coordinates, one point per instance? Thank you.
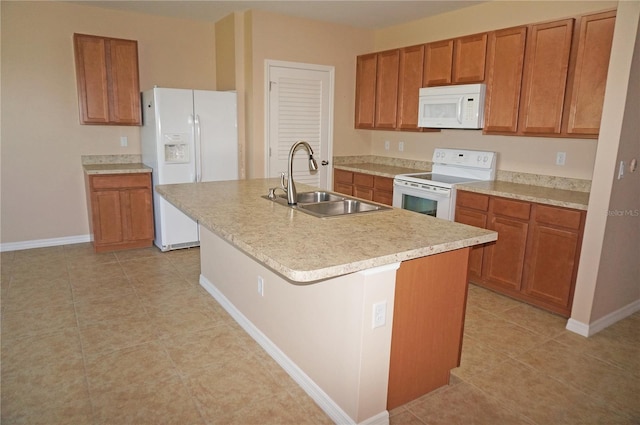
(464, 158)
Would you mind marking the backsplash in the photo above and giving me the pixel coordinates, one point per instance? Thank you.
(383, 160)
(554, 182)
(111, 159)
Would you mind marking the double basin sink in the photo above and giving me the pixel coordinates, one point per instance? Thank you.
(327, 204)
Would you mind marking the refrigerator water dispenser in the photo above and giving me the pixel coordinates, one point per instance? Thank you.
(176, 148)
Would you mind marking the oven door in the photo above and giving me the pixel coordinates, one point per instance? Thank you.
(423, 199)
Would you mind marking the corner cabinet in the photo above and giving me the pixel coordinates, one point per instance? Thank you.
(535, 258)
(365, 186)
(107, 79)
(121, 210)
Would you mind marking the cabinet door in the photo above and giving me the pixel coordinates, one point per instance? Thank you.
(91, 76)
(366, 90)
(504, 261)
(470, 54)
(438, 64)
(106, 208)
(552, 256)
(551, 264)
(387, 89)
(409, 83)
(546, 66)
(137, 214)
(124, 107)
(504, 79)
(587, 82)
(477, 219)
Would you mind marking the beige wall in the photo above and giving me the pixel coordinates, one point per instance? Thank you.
(328, 320)
(226, 53)
(283, 38)
(42, 181)
(609, 266)
(523, 154)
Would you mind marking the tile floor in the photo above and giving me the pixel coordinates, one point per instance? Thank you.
(131, 338)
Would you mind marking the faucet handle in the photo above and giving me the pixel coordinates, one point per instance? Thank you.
(283, 179)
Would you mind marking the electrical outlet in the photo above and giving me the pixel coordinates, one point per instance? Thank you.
(124, 141)
(379, 317)
(400, 146)
(387, 144)
(561, 158)
(261, 286)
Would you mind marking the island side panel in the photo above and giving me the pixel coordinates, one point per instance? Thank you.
(430, 302)
(324, 328)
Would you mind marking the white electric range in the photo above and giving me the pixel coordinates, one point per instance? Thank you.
(434, 193)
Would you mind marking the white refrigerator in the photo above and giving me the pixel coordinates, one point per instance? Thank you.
(188, 136)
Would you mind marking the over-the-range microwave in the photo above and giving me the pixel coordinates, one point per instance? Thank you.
(460, 106)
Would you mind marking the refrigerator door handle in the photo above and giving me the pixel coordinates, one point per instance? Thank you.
(198, 159)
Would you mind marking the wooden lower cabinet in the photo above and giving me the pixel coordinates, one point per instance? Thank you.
(364, 186)
(535, 258)
(428, 324)
(121, 209)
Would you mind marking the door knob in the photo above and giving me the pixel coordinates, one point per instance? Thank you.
(325, 162)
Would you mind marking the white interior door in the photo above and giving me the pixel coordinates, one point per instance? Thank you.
(299, 107)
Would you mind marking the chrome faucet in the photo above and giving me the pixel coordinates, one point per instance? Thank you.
(290, 188)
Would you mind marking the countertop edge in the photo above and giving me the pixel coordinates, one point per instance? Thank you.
(302, 277)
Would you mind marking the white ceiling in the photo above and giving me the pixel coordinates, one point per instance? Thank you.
(367, 14)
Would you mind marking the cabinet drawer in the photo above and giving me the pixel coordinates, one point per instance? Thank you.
(363, 193)
(365, 180)
(342, 176)
(119, 181)
(472, 200)
(347, 189)
(561, 217)
(511, 208)
(383, 183)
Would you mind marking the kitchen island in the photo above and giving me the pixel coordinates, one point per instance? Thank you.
(365, 312)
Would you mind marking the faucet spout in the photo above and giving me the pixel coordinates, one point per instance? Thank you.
(292, 195)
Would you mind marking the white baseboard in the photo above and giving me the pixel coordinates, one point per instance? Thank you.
(42, 243)
(308, 385)
(589, 329)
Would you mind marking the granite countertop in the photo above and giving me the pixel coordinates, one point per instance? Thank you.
(126, 168)
(382, 170)
(527, 187)
(304, 248)
(525, 192)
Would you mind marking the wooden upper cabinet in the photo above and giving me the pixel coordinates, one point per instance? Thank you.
(470, 54)
(107, 77)
(545, 77)
(505, 61)
(456, 61)
(585, 94)
(438, 64)
(409, 84)
(387, 89)
(366, 70)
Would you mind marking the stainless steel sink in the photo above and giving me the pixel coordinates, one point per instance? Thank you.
(337, 208)
(313, 197)
(327, 204)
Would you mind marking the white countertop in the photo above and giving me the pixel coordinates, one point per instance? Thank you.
(304, 248)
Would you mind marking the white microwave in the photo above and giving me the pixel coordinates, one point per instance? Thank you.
(460, 106)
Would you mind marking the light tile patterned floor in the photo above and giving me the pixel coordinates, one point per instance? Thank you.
(131, 338)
